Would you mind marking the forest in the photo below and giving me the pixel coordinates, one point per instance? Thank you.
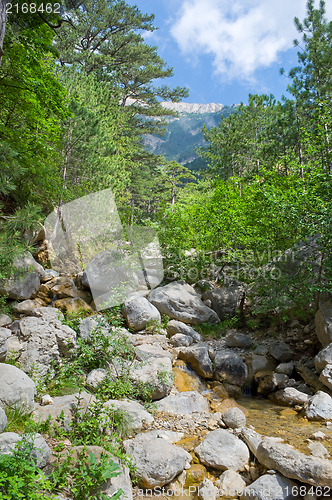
(80, 88)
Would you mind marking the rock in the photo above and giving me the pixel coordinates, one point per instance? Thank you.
(180, 301)
(73, 306)
(5, 333)
(230, 368)
(323, 358)
(40, 451)
(112, 485)
(138, 312)
(270, 487)
(62, 405)
(174, 327)
(3, 420)
(157, 372)
(286, 368)
(318, 450)
(318, 436)
(179, 339)
(225, 301)
(91, 324)
(25, 307)
(25, 281)
(280, 351)
(291, 396)
(198, 358)
(5, 320)
(261, 363)
(252, 439)
(158, 461)
(323, 322)
(183, 403)
(16, 388)
(222, 450)
(320, 407)
(234, 417)
(46, 400)
(294, 464)
(230, 484)
(136, 415)
(146, 351)
(96, 377)
(237, 339)
(43, 341)
(326, 376)
(269, 382)
(49, 274)
(207, 490)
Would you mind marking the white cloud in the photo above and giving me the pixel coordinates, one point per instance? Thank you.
(240, 35)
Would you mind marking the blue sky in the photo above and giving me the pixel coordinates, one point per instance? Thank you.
(222, 50)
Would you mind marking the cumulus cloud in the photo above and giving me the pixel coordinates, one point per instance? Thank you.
(240, 35)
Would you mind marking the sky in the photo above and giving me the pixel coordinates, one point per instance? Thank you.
(222, 50)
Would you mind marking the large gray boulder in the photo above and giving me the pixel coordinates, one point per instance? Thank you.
(280, 351)
(25, 280)
(158, 461)
(40, 451)
(62, 405)
(323, 358)
(197, 356)
(5, 333)
(183, 403)
(320, 407)
(270, 487)
(181, 340)
(16, 388)
(238, 339)
(290, 397)
(230, 368)
(230, 484)
(326, 376)
(174, 327)
(42, 341)
(5, 320)
(139, 312)
(234, 418)
(222, 450)
(156, 372)
(180, 301)
(323, 321)
(135, 414)
(92, 324)
(293, 464)
(225, 301)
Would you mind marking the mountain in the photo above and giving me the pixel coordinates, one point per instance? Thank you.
(184, 133)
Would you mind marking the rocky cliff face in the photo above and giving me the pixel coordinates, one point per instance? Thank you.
(189, 107)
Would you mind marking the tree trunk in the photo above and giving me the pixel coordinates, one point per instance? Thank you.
(3, 21)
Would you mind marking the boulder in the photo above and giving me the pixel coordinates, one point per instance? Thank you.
(326, 376)
(139, 312)
(91, 324)
(207, 490)
(323, 322)
(197, 356)
(269, 382)
(291, 397)
(43, 341)
(234, 418)
(181, 340)
(222, 450)
(73, 306)
(64, 405)
(320, 407)
(260, 363)
(157, 372)
(5, 320)
(180, 301)
(230, 484)
(225, 301)
(40, 451)
(230, 368)
(174, 327)
(158, 461)
(25, 280)
(237, 339)
(293, 464)
(270, 487)
(5, 333)
(16, 388)
(26, 307)
(3, 420)
(286, 368)
(280, 351)
(317, 450)
(136, 415)
(96, 377)
(323, 358)
(145, 351)
(183, 403)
